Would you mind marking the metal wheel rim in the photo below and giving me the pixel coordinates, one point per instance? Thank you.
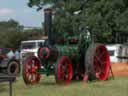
(101, 63)
(41, 51)
(31, 65)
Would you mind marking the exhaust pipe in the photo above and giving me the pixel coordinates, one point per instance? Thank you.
(48, 25)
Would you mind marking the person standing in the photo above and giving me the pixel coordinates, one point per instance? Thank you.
(17, 55)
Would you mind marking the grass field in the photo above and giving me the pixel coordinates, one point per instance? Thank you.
(48, 87)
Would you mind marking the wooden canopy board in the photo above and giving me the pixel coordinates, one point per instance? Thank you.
(7, 78)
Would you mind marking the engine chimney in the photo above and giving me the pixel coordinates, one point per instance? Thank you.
(48, 25)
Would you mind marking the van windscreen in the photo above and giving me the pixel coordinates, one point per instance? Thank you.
(111, 52)
(28, 45)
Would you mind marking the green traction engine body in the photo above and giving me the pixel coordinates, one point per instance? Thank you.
(79, 58)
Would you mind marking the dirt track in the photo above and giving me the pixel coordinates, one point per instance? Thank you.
(120, 69)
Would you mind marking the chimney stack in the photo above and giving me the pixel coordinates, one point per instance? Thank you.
(48, 25)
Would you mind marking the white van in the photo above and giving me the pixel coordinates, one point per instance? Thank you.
(30, 47)
(118, 52)
(113, 52)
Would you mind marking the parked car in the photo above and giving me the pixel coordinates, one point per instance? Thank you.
(118, 52)
(8, 63)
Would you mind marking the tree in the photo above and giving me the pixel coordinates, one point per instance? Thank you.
(34, 33)
(10, 26)
(12, 40)
(104, 17)
(12, 33)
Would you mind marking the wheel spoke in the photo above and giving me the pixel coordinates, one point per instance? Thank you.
(29, 77)
(101, 54)
(28, 66)
(99, 57)
(100, 62)
(33, 78)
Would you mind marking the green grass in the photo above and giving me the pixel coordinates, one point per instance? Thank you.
(48, 87)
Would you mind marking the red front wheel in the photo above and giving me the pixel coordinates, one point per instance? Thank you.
(30, 67)
(44, 53)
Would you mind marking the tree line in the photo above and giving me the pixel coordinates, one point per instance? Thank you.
(12, 33)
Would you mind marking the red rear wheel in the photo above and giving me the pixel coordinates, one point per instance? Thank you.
(101, 63)
(98, 62)
(63, 70)
(30, 67)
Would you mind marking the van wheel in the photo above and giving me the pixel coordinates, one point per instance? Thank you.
(13, 68)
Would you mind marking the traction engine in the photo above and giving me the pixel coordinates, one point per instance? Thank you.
(78, 59)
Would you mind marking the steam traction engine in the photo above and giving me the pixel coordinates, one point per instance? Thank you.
(79, 59)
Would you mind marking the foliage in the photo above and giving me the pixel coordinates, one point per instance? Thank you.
(33, 33)
(11, 40)
(104, 17)
(10, 26)
(12, 33)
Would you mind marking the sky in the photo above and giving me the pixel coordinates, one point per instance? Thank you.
(19, 11)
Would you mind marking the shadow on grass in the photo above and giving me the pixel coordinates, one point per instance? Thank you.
(60, 83)
(48, 83)
(54, 83)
